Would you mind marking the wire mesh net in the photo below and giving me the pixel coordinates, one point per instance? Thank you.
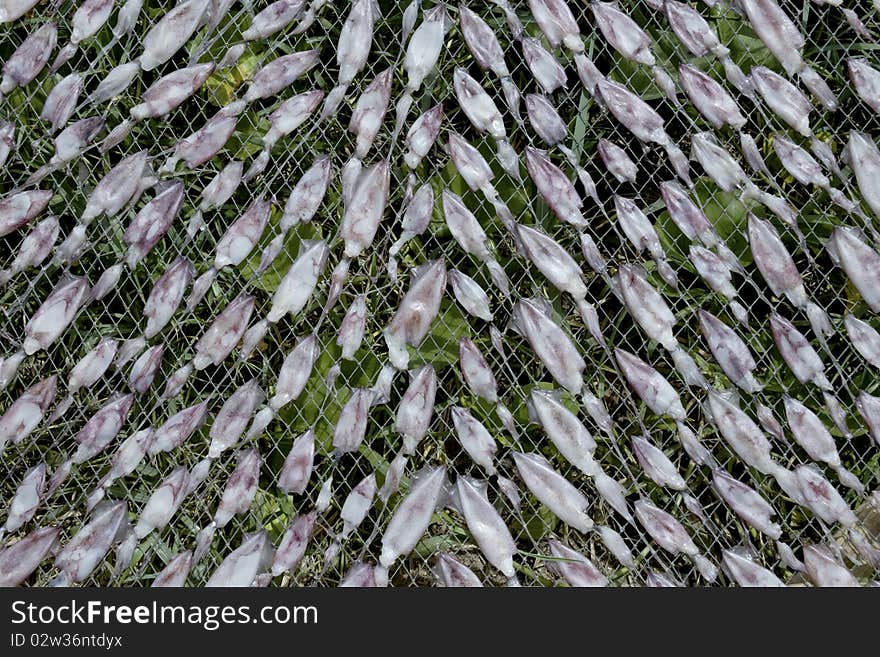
(830, 41)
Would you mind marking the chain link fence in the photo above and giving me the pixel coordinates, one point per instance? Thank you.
(830, 40)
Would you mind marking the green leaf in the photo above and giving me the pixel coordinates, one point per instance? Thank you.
(746, 49)
(636, 77)
(271, 278)
(538, 523)
(727, 213)
(222, 84)
(440, 346)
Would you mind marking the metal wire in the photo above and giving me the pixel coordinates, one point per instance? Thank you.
(830, 41)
